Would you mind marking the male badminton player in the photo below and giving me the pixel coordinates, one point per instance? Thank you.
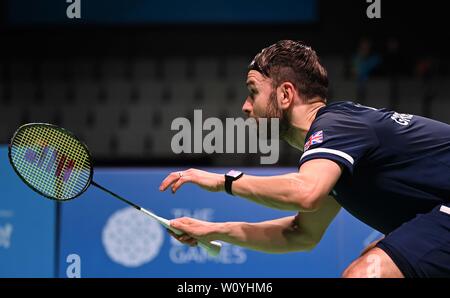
(389, 170)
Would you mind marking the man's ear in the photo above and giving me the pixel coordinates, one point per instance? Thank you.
(286, 93)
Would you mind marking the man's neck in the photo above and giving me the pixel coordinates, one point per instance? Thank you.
(302, 116)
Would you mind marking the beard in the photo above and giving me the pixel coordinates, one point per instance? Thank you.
(273, 111)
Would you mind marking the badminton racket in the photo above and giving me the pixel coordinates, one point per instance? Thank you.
(55, 163)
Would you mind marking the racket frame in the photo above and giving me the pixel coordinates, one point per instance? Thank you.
(70, 134)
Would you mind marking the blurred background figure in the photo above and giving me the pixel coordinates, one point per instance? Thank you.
(363, 65)
(365, 61)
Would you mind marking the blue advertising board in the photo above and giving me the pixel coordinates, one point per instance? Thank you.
(27, 227)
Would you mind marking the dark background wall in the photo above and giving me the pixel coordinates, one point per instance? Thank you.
(51, 67)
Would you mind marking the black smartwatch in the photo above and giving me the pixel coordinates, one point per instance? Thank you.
(229, 178)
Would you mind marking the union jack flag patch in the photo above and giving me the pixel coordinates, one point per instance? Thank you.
(315, 138)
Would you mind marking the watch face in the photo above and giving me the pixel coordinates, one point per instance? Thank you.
(234, 173)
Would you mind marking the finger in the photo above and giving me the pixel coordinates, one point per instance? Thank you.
(185, 239)
(181, 237)
(192, 242)
(169, 180)
(186, 225)
(181, 181)
(179, 224)
(173, 234)
(173, 177)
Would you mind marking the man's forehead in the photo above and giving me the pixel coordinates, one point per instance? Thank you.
(255, 78)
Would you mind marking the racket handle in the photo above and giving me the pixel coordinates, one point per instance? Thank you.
(213, 247)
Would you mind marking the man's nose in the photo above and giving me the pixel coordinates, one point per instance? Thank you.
(247, 107)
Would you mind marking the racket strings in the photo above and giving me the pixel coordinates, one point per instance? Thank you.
(51, 160)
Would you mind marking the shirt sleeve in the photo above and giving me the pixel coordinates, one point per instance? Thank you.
(340, 138)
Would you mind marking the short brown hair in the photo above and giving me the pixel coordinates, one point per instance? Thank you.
(293, 61)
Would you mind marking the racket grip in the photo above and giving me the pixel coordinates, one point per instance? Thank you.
(213, 247)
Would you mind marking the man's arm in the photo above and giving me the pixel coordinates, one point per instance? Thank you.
(297, 191)
(294, 233)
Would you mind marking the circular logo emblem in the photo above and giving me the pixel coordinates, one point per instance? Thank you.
(131, 238)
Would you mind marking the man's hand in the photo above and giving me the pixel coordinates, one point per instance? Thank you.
(209, 181)
(193, 229)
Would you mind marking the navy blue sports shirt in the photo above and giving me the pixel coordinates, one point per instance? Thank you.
(395, 165)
